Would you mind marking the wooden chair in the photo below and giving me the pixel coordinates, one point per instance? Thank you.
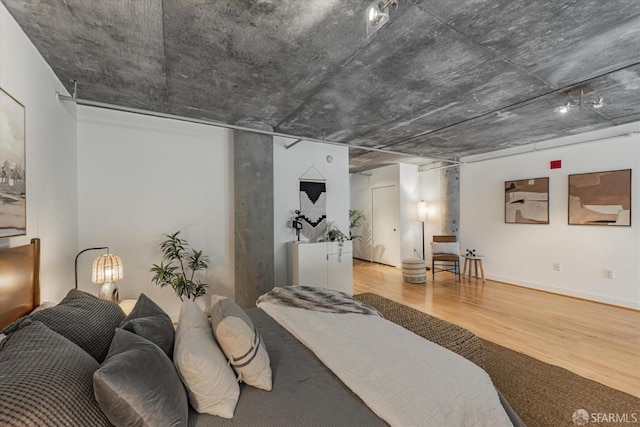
(449, 260)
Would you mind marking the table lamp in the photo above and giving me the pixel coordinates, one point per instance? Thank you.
(107, 269)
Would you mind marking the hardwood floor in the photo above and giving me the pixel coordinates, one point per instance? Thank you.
(596, 341)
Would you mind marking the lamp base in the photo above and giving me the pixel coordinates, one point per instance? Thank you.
(109, 292)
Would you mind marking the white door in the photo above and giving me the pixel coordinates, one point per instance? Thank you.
(385, 225)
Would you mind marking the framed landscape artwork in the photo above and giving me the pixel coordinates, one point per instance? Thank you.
(13, 195)
(526, 201)
(600, 198)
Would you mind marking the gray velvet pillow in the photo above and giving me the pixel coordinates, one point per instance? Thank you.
(46, 380)
(84, 319)
(148, 320)
(137, 385)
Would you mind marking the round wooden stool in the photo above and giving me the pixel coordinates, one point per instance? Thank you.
(476, 261)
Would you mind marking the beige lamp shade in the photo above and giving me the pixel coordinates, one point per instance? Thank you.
(107, 268)
(422, 211)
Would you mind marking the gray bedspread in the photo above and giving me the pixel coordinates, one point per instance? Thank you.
(305, 392)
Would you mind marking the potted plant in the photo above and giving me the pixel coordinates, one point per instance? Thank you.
(334, 234)
(178, 267)
(356, 219)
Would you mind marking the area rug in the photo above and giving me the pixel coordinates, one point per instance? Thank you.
(547, 395)
(543, 395)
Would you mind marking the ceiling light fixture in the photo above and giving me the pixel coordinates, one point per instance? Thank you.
(378, 14)
(579, 92)
(563, 109)
(598, 103)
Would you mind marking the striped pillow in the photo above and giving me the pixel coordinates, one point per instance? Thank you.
(241, 343)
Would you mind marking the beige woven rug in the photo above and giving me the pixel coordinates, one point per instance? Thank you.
(541, 394)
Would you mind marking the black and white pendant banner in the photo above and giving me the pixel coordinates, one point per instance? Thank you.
(313, 202)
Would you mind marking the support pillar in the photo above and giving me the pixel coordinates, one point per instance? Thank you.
(253, 207)
(450, 200)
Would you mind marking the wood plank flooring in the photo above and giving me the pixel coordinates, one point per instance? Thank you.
(596, 341)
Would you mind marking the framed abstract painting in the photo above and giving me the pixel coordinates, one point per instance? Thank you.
(13, 194)
(600, 198)
(526, 201)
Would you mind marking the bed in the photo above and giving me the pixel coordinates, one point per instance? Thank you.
(304, 391)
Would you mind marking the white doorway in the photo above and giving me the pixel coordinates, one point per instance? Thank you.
(385, 225)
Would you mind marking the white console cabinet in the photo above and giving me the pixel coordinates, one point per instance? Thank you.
(322, 265)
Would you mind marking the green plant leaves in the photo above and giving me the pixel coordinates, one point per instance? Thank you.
(178, 267)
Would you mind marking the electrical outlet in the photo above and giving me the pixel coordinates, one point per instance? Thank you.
(556, 266)
(608, 273)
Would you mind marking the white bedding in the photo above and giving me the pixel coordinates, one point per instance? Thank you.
(405, 379)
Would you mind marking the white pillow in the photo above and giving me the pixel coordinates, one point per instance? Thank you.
(452, 248)
(241, 343)
(210, 382)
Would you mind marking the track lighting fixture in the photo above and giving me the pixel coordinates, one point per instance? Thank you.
(598, 103)
(564, 109)
(580, 93)
(378, 14)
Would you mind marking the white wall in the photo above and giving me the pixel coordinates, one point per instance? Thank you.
(50, 157)
(288, 166)
(361, 186)
(141, 177)
(407, 180)
(524, 253)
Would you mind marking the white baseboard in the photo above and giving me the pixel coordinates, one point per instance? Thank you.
(568, 292)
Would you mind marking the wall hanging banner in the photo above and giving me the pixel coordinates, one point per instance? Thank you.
(313, 202)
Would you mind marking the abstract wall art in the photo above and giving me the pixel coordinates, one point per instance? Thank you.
(600, 198)
(527, 201)
(13, 194)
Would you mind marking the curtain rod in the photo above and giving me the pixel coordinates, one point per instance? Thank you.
(85, 102)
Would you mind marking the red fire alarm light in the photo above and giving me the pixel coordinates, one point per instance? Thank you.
(556, 164)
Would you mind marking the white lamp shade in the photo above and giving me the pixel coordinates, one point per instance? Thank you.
(422, 211)
(107, 268)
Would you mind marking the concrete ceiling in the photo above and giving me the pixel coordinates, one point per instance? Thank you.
(442, 79)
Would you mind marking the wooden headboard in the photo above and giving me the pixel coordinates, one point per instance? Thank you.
(19, 281)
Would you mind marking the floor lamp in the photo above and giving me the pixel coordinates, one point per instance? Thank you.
(422, 217)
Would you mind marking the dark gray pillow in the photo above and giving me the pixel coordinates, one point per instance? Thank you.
(148, 320)
(84, 319)
(46, 380)
(138, 385)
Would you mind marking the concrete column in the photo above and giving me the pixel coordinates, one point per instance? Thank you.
(450, 200)
(254, 233)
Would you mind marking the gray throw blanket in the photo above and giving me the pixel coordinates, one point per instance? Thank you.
(316, 299)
